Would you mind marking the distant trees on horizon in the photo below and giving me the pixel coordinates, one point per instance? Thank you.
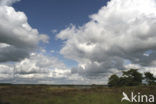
(131, 78)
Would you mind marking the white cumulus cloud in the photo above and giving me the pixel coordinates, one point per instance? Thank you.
(17, 38)
(123, 30)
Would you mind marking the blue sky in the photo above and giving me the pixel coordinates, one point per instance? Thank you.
(48, 15)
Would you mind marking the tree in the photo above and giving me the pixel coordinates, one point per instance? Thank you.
(132, 77)
(113, 81)
(150, 79)
(126, 81)
(129, 78)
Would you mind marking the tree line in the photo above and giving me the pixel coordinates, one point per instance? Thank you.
(131, 78)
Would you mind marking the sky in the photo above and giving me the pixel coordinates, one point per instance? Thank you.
(75, 41)
(51, 16)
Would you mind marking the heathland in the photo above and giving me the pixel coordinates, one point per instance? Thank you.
(69, 94)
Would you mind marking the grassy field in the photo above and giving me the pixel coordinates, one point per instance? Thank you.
(44, 94)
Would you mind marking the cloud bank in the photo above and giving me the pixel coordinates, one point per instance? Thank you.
(36, 68)
(121, 33)
(39, 69)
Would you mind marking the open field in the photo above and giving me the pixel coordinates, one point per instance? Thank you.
(44, 94)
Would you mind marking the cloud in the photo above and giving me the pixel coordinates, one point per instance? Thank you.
(36, 69)
(122, 31)
(8, 2)
(52, 51)
(54, 31)
(17, 38)
(6, 72)
(38, 63)
(41, 69)
(44, 38)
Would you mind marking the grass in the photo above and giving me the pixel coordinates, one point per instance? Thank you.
(42, 94)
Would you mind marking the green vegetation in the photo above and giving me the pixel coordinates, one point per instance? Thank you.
(131, 78)
(44, 94)
(150, 79)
